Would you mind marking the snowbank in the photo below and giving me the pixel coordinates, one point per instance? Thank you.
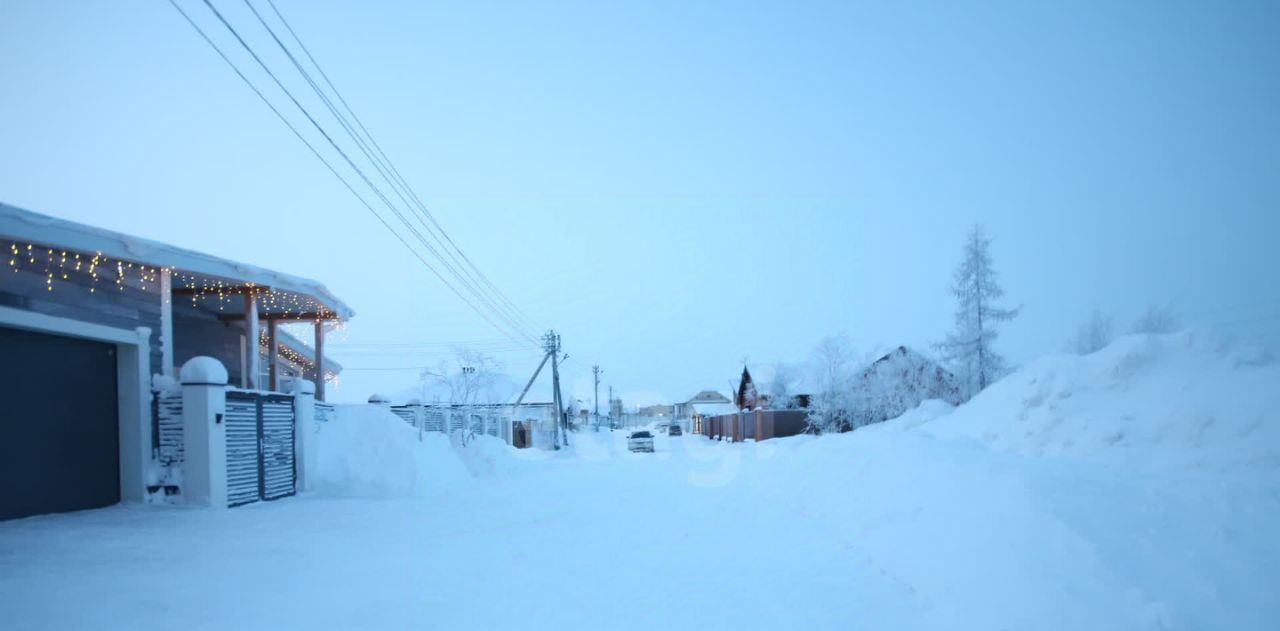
(489, 457)
(366, 451)
(1184, 400)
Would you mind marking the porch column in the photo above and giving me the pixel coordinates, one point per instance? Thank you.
(319, 348)
(273, 349)
(166, 323)
(251, 339)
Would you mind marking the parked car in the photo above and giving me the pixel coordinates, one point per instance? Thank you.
(674, 430)
(640, 441)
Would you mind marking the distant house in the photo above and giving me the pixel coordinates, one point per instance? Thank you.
(686, 409)
(692, 414)
(88, 316)
(664, 411)
(899, 381)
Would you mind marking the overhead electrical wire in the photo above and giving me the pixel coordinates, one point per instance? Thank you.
(511, 326)
(475, 271)
(377, 191)
(452, 263)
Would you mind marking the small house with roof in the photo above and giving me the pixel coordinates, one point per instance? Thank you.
(88, 316)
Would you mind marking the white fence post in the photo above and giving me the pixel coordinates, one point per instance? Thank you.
(304, 430)
(204, 431)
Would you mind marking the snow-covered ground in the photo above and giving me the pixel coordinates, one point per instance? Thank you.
(1136, 488)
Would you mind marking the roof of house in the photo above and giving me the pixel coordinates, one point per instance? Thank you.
(32, 227)
(709, 396)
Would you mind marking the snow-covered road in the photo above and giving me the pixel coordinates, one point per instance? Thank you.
(882, 528)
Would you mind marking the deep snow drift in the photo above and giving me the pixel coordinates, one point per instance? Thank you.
(367, 451)
(1183, 400)
(1079, 493)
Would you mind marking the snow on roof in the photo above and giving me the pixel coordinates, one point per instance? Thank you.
(18, 223)
(708, 396)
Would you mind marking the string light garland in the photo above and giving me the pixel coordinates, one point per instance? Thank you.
(57, 265)
(303, 364)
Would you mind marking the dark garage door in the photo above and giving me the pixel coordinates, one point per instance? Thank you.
(59, 441)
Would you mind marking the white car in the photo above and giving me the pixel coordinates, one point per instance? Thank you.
(640, 441)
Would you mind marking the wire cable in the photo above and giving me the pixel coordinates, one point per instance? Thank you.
(342, 153)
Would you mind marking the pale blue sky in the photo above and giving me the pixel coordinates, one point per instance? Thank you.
(677, 185)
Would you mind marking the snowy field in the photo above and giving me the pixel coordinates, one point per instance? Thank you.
(1136, 488)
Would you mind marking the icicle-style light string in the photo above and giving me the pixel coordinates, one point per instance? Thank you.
(57, 265)
(299, 361)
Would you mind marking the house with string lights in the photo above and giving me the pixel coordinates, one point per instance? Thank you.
(92, 321)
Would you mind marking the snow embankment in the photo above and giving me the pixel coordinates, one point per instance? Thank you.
(1184, 400)
(1134, 488)
(367, 451)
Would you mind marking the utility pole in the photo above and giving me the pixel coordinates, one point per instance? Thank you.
(595, 370)
(613, 421)
(551, 344)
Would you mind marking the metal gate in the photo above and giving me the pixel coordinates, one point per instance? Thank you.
(434, 421)
(260, 458)
(406, 414)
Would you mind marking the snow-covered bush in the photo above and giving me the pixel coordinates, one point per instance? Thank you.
(1093, 335)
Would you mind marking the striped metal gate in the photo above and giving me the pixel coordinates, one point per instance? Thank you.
(406, 414)
(434, 420)
(260, 458)
(166, 415)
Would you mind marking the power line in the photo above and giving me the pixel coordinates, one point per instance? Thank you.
(396, 172)
(344, 155)
(337, 148)
(465, 278)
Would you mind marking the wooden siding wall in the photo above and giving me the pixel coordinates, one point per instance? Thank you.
(199, 333)
(125, 307)
(120, 306)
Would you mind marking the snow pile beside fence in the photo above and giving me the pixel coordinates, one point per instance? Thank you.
(489, 457)
(366, 451)
(1184, 399)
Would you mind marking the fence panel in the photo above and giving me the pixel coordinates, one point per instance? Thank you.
(406, 414)
(167, 408)
(243, 473)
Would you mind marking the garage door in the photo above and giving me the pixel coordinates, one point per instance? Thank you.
(59, 440)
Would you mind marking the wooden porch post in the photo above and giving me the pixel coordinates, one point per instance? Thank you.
(319, 348)
(273, 349)
(251, 339)
(166, 324)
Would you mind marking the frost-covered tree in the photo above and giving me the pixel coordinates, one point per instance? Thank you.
(833, 401)
(781, 388)
(969, 348)
(1093, 335)
(468, 379)
(1158, 319)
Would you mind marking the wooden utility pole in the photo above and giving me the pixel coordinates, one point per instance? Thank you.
(551, 344)
(595, 370)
